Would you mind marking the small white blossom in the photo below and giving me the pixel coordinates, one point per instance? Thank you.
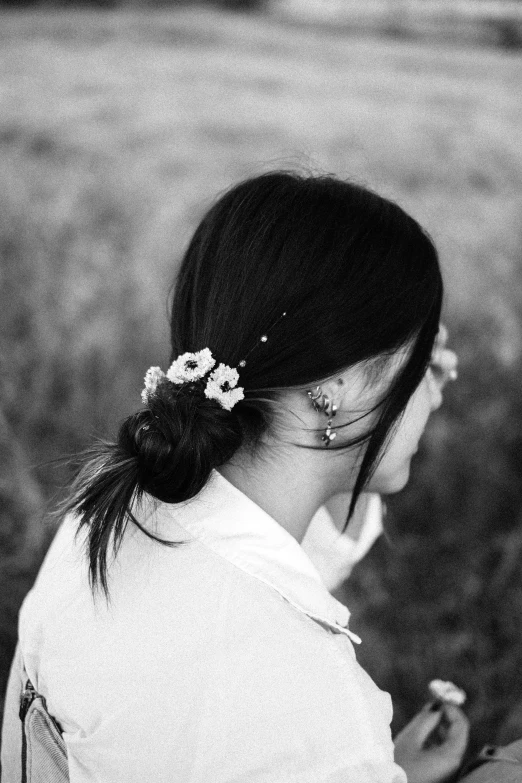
(152, 377)
(190, 367)
(447, 692)
(221, 386)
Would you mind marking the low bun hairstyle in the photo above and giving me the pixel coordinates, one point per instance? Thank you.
(178, 441)
(358, 279)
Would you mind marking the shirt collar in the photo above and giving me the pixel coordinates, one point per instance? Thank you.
(228, 522)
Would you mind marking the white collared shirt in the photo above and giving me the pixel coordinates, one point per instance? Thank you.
(224, 660)
(333, 553)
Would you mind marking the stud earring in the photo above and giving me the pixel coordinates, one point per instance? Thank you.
(323, 404)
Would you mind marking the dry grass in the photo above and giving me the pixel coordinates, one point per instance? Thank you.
(115, 131)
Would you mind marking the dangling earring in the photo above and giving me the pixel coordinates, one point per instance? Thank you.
(329, 436)
(323, 404)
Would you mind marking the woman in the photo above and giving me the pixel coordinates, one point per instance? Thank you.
(178, 630)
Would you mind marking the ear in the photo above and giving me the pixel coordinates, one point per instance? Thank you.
(349, 390)
(335, 389)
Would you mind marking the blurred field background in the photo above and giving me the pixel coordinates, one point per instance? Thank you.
(117, 127)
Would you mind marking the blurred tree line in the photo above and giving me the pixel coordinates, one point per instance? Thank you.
(418, 20)
(228, 5)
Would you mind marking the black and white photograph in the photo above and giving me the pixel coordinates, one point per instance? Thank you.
(261, 391)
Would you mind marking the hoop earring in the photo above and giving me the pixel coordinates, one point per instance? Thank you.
(323, 404)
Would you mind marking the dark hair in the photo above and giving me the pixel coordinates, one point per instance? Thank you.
(358, 279)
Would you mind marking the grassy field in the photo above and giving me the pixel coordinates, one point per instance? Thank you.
(116, 130)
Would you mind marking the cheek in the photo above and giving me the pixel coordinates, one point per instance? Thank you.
(416, 415)
(392, 474)
(393, 471)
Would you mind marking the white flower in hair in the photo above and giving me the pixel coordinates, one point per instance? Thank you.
(221, 386)
(152, 377)
(191, 366)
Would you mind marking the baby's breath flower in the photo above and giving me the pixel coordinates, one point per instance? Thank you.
(152, 377)
(221, 386)
(190, 367)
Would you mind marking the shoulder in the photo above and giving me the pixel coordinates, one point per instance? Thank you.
(194, 661)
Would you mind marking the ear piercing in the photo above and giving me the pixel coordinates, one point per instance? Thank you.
(323, 404)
